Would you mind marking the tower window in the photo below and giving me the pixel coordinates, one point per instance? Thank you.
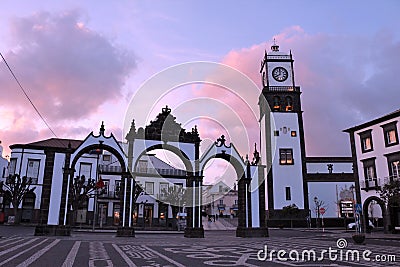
(276, 133)
(289, 103)
(288, 193)
(277, 103)
(390, 134)
(366, 141)
(286, 156)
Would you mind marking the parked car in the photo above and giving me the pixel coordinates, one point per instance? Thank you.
(353, 225)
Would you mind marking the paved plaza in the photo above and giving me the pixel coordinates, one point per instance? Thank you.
(19, 247)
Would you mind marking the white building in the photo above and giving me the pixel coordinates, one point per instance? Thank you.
(376, 155)
(220, 200)
(43, 162)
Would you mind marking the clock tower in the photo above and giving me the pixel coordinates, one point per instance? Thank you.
(282, 134)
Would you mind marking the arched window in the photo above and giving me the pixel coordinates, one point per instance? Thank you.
(289, 103)
(277, 103)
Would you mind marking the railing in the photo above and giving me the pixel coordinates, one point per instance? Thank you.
(172, 172)
(110, 194)
(118, 169)
(34, 180)
(284, 88)
(221, 206)
(371, 183)
(278, 57)
(389, 179)
(110, 168)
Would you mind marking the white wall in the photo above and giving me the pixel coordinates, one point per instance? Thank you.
(287, 175)
(56, 189)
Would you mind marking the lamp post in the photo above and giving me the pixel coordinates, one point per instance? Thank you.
(317, 206)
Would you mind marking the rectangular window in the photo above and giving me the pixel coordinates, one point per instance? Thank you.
(393, 160)
(395, 165)
(85, 169)
(12, 166)
(142, 166)
(117, 188)
(293, 133)
(287, 193)
(371, 180)
(286, 156)
(106, 157)
(163, 189)
(366, 141)
(149, 188)
(32, 170)
(221, 202)
(390, 134)
(276, 133)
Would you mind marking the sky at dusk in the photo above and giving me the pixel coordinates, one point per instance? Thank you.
(81, 62)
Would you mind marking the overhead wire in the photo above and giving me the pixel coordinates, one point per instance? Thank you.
(29, 99)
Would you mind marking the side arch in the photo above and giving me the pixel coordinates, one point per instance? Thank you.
(89, 148)
(382, 205)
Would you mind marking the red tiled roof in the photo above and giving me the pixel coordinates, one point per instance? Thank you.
(51, 143)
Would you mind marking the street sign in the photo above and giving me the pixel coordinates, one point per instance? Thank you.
(358, 208)
(322, 210)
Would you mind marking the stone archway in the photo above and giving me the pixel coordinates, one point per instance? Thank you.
(92, 143)
(251, 187)
(382, 205)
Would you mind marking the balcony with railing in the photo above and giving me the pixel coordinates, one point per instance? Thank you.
(110, 169)
(284, 88)
(167, 172)
(370, 183)
(110, 194)
(376, 183)
(34, 181)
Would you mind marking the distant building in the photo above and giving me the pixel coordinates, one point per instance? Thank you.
(220, 200)
(376, 156)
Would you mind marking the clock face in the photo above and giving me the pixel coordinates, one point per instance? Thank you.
(280, 74)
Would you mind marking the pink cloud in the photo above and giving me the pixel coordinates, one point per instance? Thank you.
(67, 69)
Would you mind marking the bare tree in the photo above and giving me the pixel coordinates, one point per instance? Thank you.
(15, 189)
(80, 192)
(175, 196)
(390, 193)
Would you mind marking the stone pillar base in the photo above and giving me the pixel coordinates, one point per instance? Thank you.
(52, 230)
(194, 232)
(252, 232)
(126, 232)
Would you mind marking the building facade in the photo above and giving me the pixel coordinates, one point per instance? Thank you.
(376, 157)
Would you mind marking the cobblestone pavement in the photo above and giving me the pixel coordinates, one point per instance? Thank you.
(218, 248)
